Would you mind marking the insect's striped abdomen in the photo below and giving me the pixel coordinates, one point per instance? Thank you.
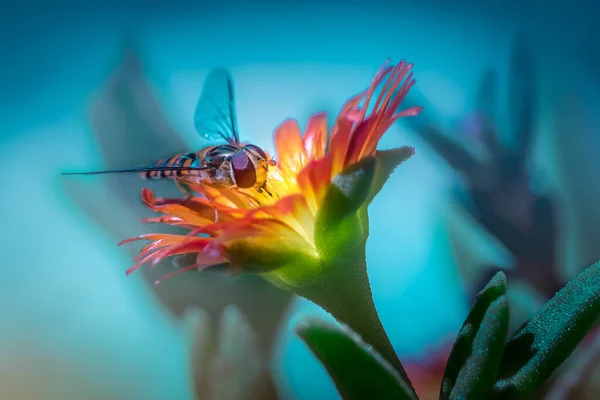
(178, 162)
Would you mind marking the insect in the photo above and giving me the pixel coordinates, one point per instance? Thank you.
(228, 164)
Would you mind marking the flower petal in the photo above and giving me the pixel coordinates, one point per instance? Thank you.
(188, 244)
(360, 136)
(187, 214)
(290, 148)
(315, 136)
(294, 212)
(383, 71)
(341, 132)
(221, 198)
(307, 187)
(158, 241)
(314, 180)
(368, 133)
(178, 244)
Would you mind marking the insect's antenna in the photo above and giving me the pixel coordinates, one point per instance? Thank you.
(135, 170)
(272, 161)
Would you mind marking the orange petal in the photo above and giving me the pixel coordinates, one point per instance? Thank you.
(159, 241)
(294, 212)
(314, 181)
(174, 210)
(291, 156)
(315, 136)
(360, 136)
(222, 199)
(383, 71)
(307, 189)
(143, 261)
(390, 82)
(368, 132)
(300, 218)
(409, 112)
(342, 131)
(190, 244)
(165, 219)
(386, 107)
(201, 206)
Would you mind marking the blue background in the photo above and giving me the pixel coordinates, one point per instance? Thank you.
(73, 326)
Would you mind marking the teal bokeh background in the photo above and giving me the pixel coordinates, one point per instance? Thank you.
(74, 326)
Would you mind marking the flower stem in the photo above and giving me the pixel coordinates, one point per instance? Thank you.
(344, 291)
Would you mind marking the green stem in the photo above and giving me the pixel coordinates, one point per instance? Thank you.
(344, 291)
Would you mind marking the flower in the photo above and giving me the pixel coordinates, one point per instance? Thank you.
(306, 230)
(290, 231)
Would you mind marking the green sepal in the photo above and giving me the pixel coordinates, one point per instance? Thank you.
(463, 345)
(341, 221)
(545, 341)
(357, 370)
(337, 226)
(349, 190)
(285, 258)
(387, 161)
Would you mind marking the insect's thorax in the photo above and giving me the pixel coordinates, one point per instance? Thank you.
(217, 159)
(216, 155)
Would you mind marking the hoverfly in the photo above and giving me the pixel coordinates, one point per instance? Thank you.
(229, 164)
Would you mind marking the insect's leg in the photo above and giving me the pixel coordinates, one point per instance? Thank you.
(251, 199)
(190, 194)
(266, 189)
(185, 188)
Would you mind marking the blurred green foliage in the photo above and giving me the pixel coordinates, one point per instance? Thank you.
(483, 362)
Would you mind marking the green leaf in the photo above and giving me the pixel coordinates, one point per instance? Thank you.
(464, 344)
(356, 369)
(549, 337)
(476, 378)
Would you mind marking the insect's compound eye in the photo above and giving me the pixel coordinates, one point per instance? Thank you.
(257, 150)
(244, 172)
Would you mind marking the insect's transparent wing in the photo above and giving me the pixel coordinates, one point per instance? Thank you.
(215, 117)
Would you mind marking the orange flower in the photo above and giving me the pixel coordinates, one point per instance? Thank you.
(313, 208)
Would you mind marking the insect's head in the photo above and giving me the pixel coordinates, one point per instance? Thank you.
(249, 166)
